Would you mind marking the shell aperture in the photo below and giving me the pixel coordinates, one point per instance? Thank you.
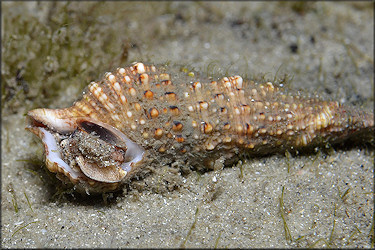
(85, 150)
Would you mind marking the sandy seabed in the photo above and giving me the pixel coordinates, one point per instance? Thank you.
(320, 199)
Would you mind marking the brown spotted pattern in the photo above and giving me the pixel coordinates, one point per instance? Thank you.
(180, 118)
(245, 114)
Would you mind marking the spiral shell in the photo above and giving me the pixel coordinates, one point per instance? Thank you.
(139, 115)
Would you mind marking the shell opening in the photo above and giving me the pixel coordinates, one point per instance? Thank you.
(86, 148)
(134, 153)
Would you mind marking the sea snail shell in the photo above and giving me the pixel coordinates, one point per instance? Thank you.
(138, 116)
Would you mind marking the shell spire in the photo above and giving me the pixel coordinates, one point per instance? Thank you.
(139, 116)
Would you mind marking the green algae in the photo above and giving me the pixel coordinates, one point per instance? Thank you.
(23, 227)
(183, 244)
(28, 201)
(288, 236)
(44, 55)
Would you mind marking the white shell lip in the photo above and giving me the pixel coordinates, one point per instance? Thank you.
(43, 122)
(53, 155)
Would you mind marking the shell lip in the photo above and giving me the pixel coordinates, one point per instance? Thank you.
(46, 128)
(53, 156)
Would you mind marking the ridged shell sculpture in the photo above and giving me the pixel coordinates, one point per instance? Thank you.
(141, 115)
